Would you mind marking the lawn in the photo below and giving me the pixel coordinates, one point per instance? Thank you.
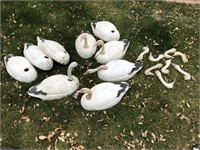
(149, 116)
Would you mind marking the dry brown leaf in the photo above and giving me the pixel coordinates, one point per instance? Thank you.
(99, 147)
(162, 139)
(131, 133)
(61, 138)
(81, 147)
(116, 138)
(144, 134)
(22, 109)
(183, 117)
(42, 137)
(49, 147)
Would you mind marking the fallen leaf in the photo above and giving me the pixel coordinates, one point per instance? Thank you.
(42, 137)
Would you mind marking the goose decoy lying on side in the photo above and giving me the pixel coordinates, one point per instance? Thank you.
(105, 30)
(20, 68)
(36, 57)
(85, 45)
(54, 50)
(102, 96)
(116, 70)
(111, 50)
(56, 86)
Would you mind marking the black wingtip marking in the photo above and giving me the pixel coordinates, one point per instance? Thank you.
(126, 43)
(136, 68)
(28, 45)
(123, 86)
(94, 23)
(6, 58)
(85, 31)
(197, 146)
(42, 39)
(35, 92)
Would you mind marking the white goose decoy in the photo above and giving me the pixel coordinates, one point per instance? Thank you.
(105, 30)
(111, 50)
(116, 70)
(54, 50)
(36, 57)
(56, 86)
(102, 96)
(85, 45)
(20, 68)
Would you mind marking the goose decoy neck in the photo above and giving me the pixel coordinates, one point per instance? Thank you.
(88, 92)
(100, 42)
(85, 31)
(90, 71)
(69, 71)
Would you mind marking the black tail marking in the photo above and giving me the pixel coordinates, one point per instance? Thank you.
(123, 86)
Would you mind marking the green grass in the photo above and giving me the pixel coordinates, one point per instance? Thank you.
(149, 116)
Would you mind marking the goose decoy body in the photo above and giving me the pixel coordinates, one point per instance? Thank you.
(36, 57)
(56, 86)
(102, 96)
(111, 50)
(196, 147)
(85, 45)
(54, 50)
(116, 70)
(20, 68)
(105, 30)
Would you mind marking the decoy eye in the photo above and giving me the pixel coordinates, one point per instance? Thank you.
(46, 57)
(113, 31)
(26, 69)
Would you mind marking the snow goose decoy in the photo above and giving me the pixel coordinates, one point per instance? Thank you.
(20, 68)
(116, 70)
(85, 45)
(105, 30)
(111, 50)
(102, 96)
(36, 57)
(54, 50)
(56, 86)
